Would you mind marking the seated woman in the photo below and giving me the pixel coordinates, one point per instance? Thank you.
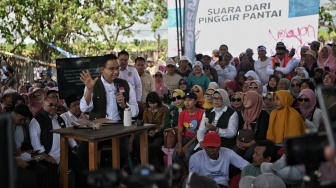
(307, 84)
(200, 98)
(237, 105)
(160, 87)
(328, 78)
(272, 84)
(255, 119)
(311, 115)
(188, 123)
(208, 98)
(284, 120)
(284, 84)
(268, 101)
(295, 83)
(256, 85)
(155, 113)
(184, 85)
(174, 110)
(221, 119)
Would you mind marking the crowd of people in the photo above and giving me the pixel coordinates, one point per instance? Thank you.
(232, 113)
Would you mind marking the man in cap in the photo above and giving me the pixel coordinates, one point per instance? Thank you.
(48, 81)
(214, 161)
(7, 100)
(171, 79)
(249, 53)
(182, 70)
(151, 67)
(315, 46)
(281, 62)
(261, 64)
(198, 78)
(130, 74)
(310, 63)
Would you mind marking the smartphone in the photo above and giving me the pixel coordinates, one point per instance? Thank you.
(35, 152)
(277, 64)
(327, 69)
(326, 96)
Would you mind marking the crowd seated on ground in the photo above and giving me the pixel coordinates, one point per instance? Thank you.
(249, 115)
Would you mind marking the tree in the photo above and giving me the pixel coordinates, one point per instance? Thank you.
(63, 22)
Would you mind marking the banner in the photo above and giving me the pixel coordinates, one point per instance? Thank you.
(65, 53)
(190, 13)
(242, 24)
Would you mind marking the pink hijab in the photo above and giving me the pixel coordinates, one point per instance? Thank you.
(161, 88)
(322, 61)
(331, 62)
(311, 95)
(250, 114)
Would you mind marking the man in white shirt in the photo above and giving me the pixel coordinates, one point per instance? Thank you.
(214, 161)
(261, 64)
(74, 113)
(225, 70)
(130, 74)
(49, 143)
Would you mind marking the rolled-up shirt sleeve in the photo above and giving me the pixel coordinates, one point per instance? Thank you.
(35, 134)
(132, 102)
(201, 130)
(84, 107)
(232, 127)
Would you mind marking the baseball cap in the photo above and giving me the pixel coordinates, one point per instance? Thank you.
(48, 73)
(267, 180)
(289, 174)
(215, 52)
(191, 95)
(261, 48)
(195, 180)
(150, 59)
(183, 58)
(10, 92)
(315, 43)
(211, 139)
(23, 110)
(170, 62)
(312, 53)
(280, 46)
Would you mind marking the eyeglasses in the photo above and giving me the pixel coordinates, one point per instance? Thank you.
(236, 99)
(253, 87)
(268, 99)
(37, 95)
(304, 99)
(295, 85)
(246, 100)
(52, 105)
(208, 95)
(195, 91)
(112, 69)
(170, 66)
(182, 83)
(326, 78)
(217, 98)
(158, 76)
(176, 98)
(279, 53)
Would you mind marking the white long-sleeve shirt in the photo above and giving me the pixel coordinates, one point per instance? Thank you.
(260, 68)
(229, 72)
(68, 118)
(291, 65)
(131, 75)
(35, 136)
(111, 103)
(229, 132)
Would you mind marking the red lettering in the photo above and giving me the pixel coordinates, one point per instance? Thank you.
(297, 33)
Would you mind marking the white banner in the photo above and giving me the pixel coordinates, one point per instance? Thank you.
(243, 24)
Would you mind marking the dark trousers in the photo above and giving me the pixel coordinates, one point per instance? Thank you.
(25, 178)
(53, 176)
(78, 167)
(83, 150)
(41, 173)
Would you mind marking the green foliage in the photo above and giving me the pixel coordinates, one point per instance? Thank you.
(77, 26)
(326, 19)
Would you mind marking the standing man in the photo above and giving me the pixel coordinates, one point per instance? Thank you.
(214, 160)
(249, 53)
(182, 70)
(103, 100)
(171, 79)
(49, 143)
(261, 64)
(48, 81)
(266, 151)
(38, 70)
(151, 67)
(130, 74)
(315, 46)
(223, 49)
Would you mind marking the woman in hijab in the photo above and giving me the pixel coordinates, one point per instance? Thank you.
(256, 86)
(246, 86)
(233, 87)
(284, 120)
(323, 55)
(213, 85)
(272, 84)
(208, 98)
(328, 78)
(295, 86)
(251, 75)
(255, 119)
(331, 62)
(36, 98)
(162, 68)
(237, 105)
(284, 84)
(160, 87)
(311, 115)
(268, 101)
(184, 85)
(175, 110)
(200, 98)
(221, 119)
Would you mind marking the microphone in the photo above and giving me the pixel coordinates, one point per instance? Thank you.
(116, 85)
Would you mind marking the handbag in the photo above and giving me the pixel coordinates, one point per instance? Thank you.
(245, 135)
(170, 137)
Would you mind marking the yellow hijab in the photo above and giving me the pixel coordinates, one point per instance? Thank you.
(285, 122)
